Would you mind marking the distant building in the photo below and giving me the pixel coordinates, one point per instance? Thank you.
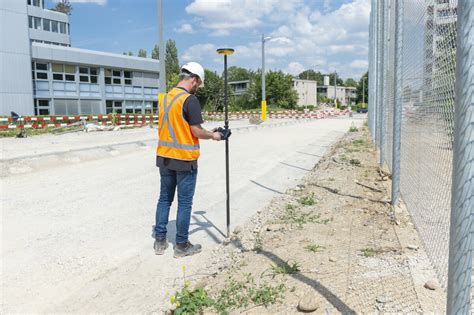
(306, 90)
(344, 94)
(239, 87)
(41, 74)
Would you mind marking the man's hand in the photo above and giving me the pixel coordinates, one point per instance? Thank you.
(217, 136)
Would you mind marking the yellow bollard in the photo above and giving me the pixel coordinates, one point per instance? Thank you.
(264, 110)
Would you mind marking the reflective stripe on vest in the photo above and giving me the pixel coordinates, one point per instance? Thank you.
(170, 142)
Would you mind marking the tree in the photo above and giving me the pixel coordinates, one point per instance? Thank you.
(63, 6)
(130, 53)
(172, 62)
(142, 53)
(363, 84)
(155, 53)
(212, 94)
(238, 74)
(340, 82)
(279, 90)
(312, 75)
(351, 82)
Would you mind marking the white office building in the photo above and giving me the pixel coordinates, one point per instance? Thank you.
(41, 74)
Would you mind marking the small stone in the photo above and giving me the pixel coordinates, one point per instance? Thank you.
(432, 284)
(308, 303)
(382, 299)
(332, 259)
(412, 247)
(274, 227)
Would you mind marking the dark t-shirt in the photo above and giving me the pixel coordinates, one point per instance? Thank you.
(192, 114)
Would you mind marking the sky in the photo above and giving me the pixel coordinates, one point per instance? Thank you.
(323, 35)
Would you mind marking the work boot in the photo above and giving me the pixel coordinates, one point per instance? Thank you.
(186, 249)
(160, 246)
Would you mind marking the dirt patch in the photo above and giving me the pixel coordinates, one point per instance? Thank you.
(331, 245)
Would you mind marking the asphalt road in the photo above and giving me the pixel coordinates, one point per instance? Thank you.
(77, 237)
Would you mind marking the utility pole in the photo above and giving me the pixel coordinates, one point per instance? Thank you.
(264, 97)
(162, 53)
(335, 89)
(363, 90)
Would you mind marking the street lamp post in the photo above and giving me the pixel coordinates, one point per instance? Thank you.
(264, 97)
(161, 50)
(226, 52)
(363, 90)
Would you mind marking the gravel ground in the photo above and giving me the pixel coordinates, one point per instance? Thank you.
(366, 254)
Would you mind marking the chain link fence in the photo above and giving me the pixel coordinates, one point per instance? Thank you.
(413, 83)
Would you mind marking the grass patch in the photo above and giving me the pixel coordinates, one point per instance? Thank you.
(359, 142)
(353, 129)
(238, 294)
(354, 162)
(369, 252)
(285, 268)
(258, 243)
(307, 200)
(314, 248)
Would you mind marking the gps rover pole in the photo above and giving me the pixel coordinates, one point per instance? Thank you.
(226, 133)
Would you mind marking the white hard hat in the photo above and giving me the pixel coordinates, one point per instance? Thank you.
(194, 68)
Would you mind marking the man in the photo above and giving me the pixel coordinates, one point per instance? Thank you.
(179, 131)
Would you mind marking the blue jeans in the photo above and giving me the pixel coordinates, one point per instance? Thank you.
(186, 183)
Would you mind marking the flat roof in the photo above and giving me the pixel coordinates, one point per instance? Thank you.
(55, 53)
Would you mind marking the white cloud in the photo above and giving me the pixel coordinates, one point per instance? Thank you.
(294, 68)
(305, 35)
(199, 52)
(359, 64)
(185, 28)
(99, 2)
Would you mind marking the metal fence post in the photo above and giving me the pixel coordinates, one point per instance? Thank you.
(382, 77)
(397, 107)
(378, 46)
(462, 198)
(372, 69)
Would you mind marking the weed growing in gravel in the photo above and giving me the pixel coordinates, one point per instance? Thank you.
(307, 200)
(353, 129)
(285, 268)
(359, 142)
(190, 301)
(315, 248)
(369, 252)
(354, 162)
(237, 294)
(290, 206)
(258, 245)
(293, 216)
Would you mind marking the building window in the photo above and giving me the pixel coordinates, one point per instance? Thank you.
(54, 26)
(64, 72)
(41, 107)
(37, 23)
(30, 21)
(46, 25)
(40, 71)
(127, 77)
(62, 27)
(113, 77)
(66, 107)
(88, 75)
(90, 107)
(113, 107)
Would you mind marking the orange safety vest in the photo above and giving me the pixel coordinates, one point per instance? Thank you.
(176, 141)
